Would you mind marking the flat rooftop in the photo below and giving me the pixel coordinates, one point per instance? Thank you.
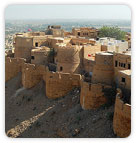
(104, 53)
(126, 72)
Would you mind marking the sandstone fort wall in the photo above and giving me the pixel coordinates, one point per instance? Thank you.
(59, 84)
(103, 71)
(69, 59)
(32, 74)
(122, 117)
(12, 67)
(92, 95)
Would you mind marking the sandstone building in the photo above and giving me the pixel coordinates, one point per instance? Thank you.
(85, 32)
(78, 62)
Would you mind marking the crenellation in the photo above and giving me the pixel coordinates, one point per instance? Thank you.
(122, 117)
(12, 67)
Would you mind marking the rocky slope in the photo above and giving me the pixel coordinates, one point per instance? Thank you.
(30, 114)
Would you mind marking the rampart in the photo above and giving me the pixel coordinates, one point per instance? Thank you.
(92, 95)
(103, 71)
(69, 58)
(23, 47)
(32, 74)
(12, 67)
(59, 84)
(122, 117)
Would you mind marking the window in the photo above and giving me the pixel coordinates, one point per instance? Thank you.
(119, 63)
(61, 68)
(78, 33)
(129, 66)
(123, 79)
(32, 57)
(116, 63)
(36, 44)
(124, 65)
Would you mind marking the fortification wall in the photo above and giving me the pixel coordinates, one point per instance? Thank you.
(32, 74)
(23, 46)
(59, 84)
(103, 71)
(92, 95)
(69, 59)
(12, 67)
(122, 117)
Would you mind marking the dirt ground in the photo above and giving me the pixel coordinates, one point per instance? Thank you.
(30, 114)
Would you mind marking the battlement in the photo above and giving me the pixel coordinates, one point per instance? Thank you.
(32, 74)
(122, 116)
(12, 67)
(103, 71)
(59, 84)
(69, 58)
(92, 95)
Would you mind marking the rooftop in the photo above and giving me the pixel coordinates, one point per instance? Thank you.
(104, 53)
(126, 72)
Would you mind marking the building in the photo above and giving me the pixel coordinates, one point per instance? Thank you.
(55, 30)
(113, 45)
(85, 32)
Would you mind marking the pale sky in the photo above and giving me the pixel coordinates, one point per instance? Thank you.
(68, 12)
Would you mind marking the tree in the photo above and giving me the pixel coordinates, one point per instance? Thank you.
(113, 32)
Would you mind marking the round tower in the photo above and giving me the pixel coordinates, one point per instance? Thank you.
(69, 58)
(103, 71)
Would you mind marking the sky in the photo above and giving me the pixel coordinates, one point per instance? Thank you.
(122, 12)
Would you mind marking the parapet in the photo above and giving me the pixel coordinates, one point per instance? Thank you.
(103, 70)
(12, 67)
(59, 84)
(32, 74)
(69, 58)
(92, 95)
(122, 117)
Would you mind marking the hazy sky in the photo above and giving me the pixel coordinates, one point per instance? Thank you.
(68, 12)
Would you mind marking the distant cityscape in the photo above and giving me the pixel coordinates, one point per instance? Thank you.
(17, 26)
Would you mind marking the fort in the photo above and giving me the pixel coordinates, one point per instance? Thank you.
(64, 62)
(122, 117)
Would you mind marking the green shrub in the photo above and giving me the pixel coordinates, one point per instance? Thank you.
(113, 32)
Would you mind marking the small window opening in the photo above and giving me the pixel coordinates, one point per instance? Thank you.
(36, 44)
(78, 33)
(123, 79)
(61, 68)
(121, 64)
(129, 66)
(32, 57)
(116, 63)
